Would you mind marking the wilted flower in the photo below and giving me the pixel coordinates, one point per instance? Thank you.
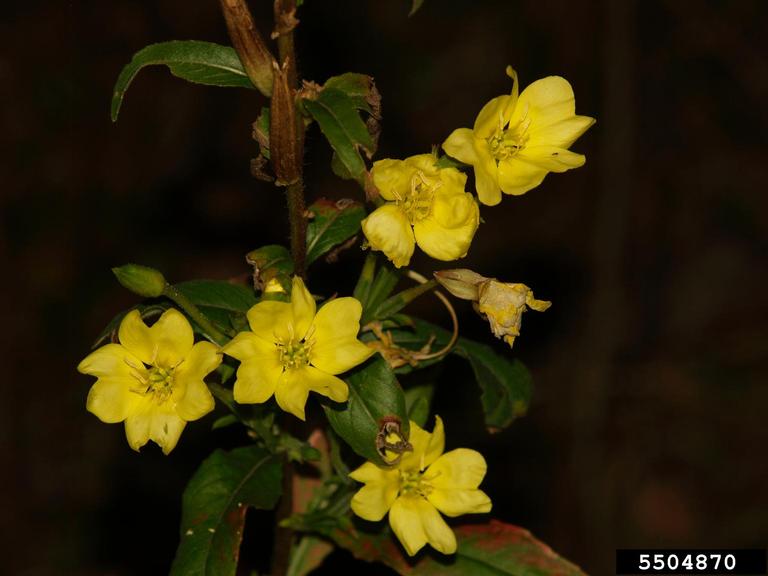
(422, 484)
(501, 303)
(426, 205)
(292, 350)
(152, 380)
(516, 141)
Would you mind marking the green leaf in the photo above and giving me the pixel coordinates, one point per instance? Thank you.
(357, 86)
(214, 506)
(333, 223)
(394, 304)
(418, 400)
(384, 282)
(271, 262)
(374, 395)
(492, 549)
(192, 60)
(337, 114)
(218, 294)
(506, 384)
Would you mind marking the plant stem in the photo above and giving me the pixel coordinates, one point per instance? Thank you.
(296, 209)
(194, 312)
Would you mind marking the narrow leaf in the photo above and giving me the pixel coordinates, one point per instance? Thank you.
(192, 60)
(214, 506)
(333, 224)
(374, 396)
(218, 294)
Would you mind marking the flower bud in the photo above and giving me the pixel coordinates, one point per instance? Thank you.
(460, 282)
(141, 280)
(250, 47)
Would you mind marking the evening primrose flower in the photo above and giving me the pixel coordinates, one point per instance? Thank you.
(422, 484)
(152, 379)
(426, 205)
(293, 349)
(517, 140)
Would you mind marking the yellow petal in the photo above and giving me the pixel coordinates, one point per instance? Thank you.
(137, 428)
(552, 158)
(426, 163)
(487, 182)
(373, 501)
(270, 320)
(456, 502)
(110, 398)
(336, 348)
(368, 473)
(246, 346)
(416, 522)
(516, 176)
(460, 468)
(292, 391)
(561, 134)
(391, 177)
(545, 102)
(196, 400)
(111, 360)
(165, 430)
(427, 447)
(257, 379)
(492, 117)
(303, 308)
(325, 384)
(461, 145)
(388, 229)
(447, 233)
(164, 344)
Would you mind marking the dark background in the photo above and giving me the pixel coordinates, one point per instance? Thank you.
(648, 426)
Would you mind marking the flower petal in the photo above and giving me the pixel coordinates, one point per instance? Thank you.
(137, 428)
(246, 346)
(110, 399)
(426, 163)
(196, 400)
(257, 379)
(487, 182)
(427, 446)
(460, 468)
(337, 348)
(561, 134)
(325, 384)
(545, 102)
(388, 229)
(373, 501)
(303, 307)
(165, 429)
(416, 522)
(552, 158)
(448, 232)
(292, 391)
(391, 177)
(461, 145)
(492, 117)
(516, 176)
(270, 320)
(165, 343)
(111, 360)
(368, 473)
(457, 502)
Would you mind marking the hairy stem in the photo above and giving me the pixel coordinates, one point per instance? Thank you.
(194, 312)
(296, 215)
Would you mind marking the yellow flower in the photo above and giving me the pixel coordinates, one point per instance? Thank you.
(516, 141)
(291, 350)
(422, 484)
(501, 303)
(426, 206)
(152, 380)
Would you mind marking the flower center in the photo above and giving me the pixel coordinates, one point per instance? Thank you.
(154, 381)
(294, 352)
(413, 483)
(506, 143)
(417, 202)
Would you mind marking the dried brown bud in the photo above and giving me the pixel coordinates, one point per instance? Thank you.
(284, 144)
(253, 52)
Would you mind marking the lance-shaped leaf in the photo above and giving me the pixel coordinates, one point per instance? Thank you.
(333, 223)
(375, 397)
(192, 60)
(493, 549)
(272, 262)
(214, 506)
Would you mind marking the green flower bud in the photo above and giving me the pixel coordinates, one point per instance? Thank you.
(141, 280)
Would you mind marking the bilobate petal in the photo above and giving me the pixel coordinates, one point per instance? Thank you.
(196, 400)
(111, 360)
(110, 398)
(453, 182)
(545, 102)
(388, 229)
(165, 343)
(461, 145)
(448, 232)
(257, 379)
(492, 117)
(336, 348)
(373, 501)
(137, 427)
(561, 134)
(246, 345)
(427, 446)
(425, 163)
(303, 307)
(517, 176)
(460, 468)
(416, 522)
(552, 158)
(271, 320)
(340, 355)
(165, 429)
(324, 384)
(457, 502)
(391, 177)
(369, 473)
(292, 391)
